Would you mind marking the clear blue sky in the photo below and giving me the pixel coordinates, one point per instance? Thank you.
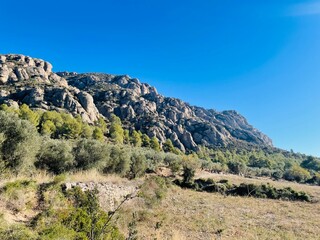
(261, 58)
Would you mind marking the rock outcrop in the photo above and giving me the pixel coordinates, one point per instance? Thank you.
(31, 81)
(110, 195)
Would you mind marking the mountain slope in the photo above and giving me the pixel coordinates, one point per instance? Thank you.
(31, 81)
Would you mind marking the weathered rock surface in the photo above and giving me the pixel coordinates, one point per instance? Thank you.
(31, 81)
(110, 194)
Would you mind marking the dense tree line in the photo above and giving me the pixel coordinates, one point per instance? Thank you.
(275, 164)
(59, 142)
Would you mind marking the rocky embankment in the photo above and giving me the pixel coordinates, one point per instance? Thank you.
(31, 81)
(110, 194)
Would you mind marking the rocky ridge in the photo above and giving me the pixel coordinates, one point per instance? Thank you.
(31, 81)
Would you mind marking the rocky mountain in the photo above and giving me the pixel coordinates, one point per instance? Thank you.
(31, 81)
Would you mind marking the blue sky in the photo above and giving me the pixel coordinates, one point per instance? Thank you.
(261, 58)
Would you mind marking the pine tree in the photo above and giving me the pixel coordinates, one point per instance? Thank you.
(116, 131)
(136, 139)
(168, 146)
(145, 140)
(154, 144)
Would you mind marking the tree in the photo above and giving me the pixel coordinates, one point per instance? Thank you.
(188, 174)
(101, 123)
(27, 114)
(154, 144)
(168, 146)
(87, 132)
(174, 162)
(136, 139)
(145, 140)
(71, 127)
(126, 137)
(237, 167)
(48, 127)
(311, 163)
(116, 131)
(54, 117)
(98, 134)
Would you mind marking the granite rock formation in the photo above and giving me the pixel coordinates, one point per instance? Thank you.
(139, 105)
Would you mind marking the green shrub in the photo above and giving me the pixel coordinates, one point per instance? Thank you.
(19, 143)
(80, 218)
(119, 161)
(138, 165)
(19, 195)
(154, 159)
(174, 162)
(297, 173)
(56, 156)
(246, 189)
(153, 190)
(90, 153)
(17, 232)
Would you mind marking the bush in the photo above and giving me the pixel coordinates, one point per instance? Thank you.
(138, 165)
(311, 163)
(56, 156)
(19, 143)
(153, 190)
(154, 159)
(19, 195)
(277, 174)
(297, 173)
(90, 153)
(237, 167)
(119, 161)
(188, 174)
(174, 162)
(17, 232)
(80, 218)
(245, 189)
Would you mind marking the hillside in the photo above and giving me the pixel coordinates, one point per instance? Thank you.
(179, 215)
(91, 157)
(31, 81)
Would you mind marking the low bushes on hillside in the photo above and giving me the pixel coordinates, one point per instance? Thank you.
(245, 189)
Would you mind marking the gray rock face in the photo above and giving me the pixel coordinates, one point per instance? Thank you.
(137, 104)
(31, 81)
(141, 107)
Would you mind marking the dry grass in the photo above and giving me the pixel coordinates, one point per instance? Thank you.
(94, 176)
(39, 177)
(187, 214)
(81, 176)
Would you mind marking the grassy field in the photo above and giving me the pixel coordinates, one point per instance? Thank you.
(187, 214)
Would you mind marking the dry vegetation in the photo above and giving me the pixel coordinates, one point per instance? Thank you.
(313, 190)
(187, 214)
